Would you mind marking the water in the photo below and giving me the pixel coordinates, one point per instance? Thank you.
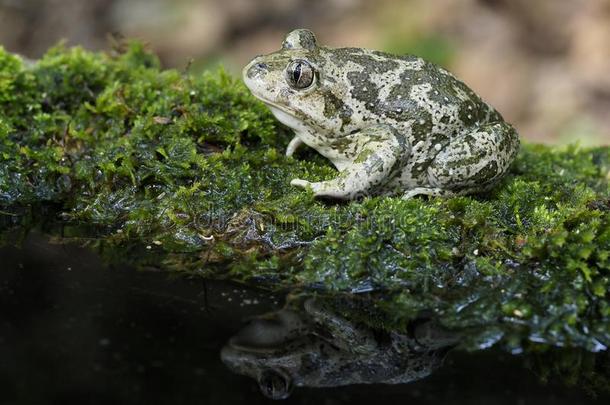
(73, 330)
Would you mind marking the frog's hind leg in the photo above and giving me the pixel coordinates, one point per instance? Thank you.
(474, 161)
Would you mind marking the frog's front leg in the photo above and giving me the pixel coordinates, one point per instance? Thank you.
(293, 145)
(376, 154)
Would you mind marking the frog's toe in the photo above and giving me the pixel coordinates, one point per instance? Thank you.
(300, 183)
(317, 188)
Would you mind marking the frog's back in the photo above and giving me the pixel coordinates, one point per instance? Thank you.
(407, 92)
(423, 101)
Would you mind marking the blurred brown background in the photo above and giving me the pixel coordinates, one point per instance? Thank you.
(544, 64)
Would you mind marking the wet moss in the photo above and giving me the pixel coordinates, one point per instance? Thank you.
(188, 173)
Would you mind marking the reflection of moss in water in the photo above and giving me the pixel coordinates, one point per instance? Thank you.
(189, 171)
(573, 367)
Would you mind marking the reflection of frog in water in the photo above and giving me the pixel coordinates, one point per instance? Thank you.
(311, 346)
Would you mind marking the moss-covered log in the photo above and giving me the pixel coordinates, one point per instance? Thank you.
(190, 168)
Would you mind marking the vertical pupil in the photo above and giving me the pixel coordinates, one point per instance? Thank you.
(296, 74)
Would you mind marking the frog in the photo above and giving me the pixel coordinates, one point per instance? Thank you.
(307, 344)
(391, 125)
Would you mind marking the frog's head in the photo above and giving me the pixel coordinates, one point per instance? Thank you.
(269, 349)
(293, 82)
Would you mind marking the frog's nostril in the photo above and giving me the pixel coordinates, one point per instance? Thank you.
(261, 66)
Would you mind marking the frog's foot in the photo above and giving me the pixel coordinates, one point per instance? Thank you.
(376, 153)
(333, 189)
(439, 192)
(431, 191)
(473, 161)
(293, 145)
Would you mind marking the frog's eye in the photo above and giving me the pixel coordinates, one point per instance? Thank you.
(274, 384)
(300, 74)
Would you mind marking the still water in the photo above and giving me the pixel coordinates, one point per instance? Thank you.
(74, 330)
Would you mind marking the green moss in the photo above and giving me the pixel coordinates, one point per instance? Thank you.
(188, 173)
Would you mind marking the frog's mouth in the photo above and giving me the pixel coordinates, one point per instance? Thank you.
(273, 106)
(286, 116)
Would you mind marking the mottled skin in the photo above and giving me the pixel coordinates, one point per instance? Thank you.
(308, 345)
(390, 124)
